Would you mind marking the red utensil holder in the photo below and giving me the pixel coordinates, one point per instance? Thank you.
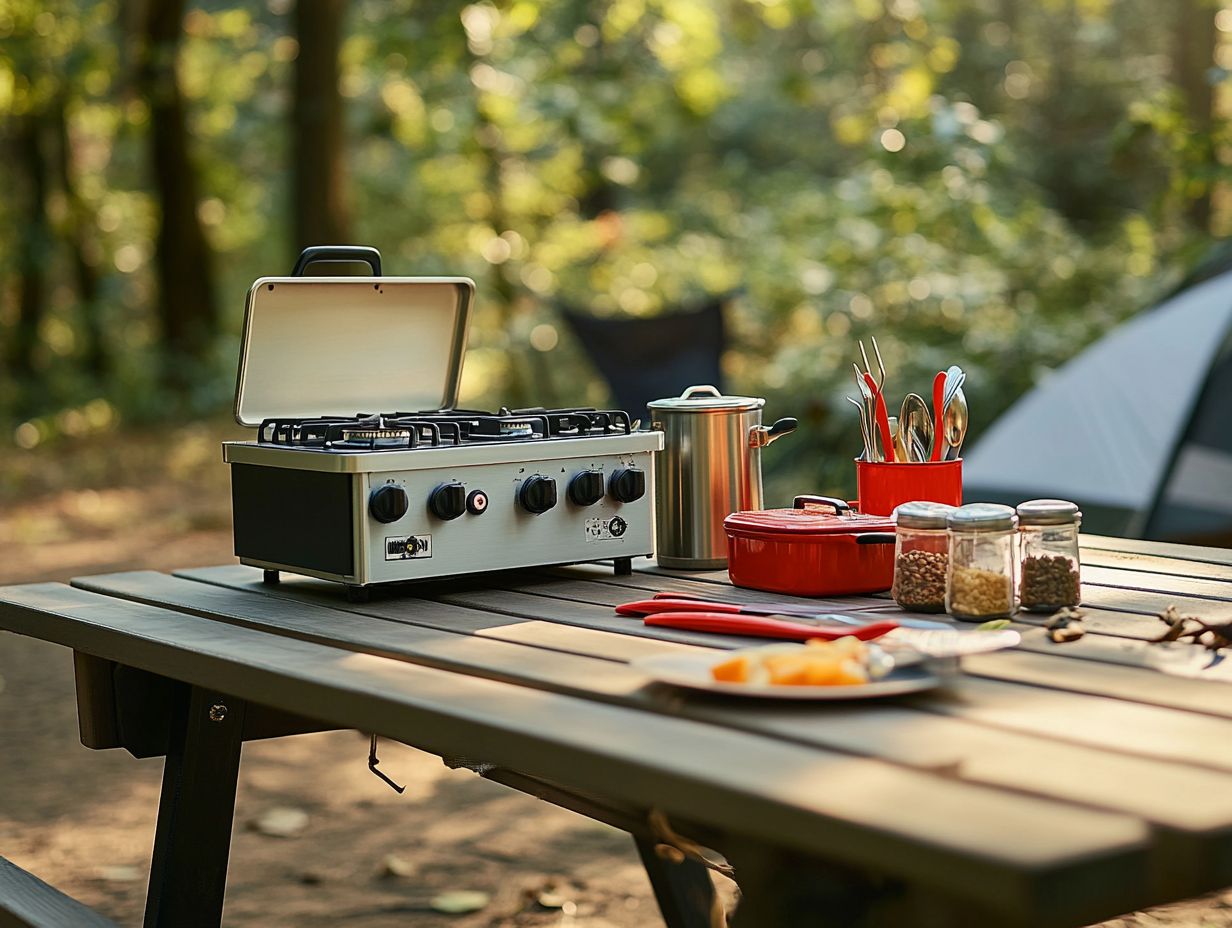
(882, 486)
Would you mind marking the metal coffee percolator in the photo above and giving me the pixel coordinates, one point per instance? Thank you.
(710, 467)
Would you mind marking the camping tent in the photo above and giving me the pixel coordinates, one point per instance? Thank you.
(1137, 429)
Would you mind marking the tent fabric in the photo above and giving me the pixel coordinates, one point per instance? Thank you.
(644, 359)
(1103, 429)
(1195, 502)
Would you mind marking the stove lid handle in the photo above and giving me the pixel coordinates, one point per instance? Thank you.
(337, 254)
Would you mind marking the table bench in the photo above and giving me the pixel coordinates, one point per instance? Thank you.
(1052, 785)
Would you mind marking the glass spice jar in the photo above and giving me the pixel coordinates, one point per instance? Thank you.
(980, 576)
(1049, 567)
(921, 553)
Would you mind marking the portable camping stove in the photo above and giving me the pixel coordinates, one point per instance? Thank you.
(373, 498)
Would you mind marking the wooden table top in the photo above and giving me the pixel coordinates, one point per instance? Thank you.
(1055, 784)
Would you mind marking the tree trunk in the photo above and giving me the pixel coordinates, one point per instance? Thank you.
(34, 248)
(318, 170)
(84, 249)
(186, 304)
(1193, 55)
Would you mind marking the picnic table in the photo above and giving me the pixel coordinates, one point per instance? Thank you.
(1050, 785)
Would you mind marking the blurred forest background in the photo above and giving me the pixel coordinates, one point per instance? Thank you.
(992, 183)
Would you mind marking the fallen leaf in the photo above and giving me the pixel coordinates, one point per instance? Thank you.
(280, 822)
(393, 865)
(459, 902)
(120, 874)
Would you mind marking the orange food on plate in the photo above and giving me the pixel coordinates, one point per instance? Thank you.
(843, 662)
(788, 670)
(735, 670)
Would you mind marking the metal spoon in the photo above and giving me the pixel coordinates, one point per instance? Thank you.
(915, 419)
(897, 433)
(954, 379)
(955, 425)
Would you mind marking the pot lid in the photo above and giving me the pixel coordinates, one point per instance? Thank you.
(811, 515)
(706, 398)
(337, 346)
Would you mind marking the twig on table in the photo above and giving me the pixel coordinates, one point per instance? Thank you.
(1211, 635)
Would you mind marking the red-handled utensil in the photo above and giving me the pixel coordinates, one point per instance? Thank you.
(767, 627)
(883, 418)
(681, 602)
(690, 602)
(938, 409)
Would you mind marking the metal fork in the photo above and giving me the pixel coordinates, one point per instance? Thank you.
(863, 428)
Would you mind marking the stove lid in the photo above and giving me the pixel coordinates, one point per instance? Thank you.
(337, 346)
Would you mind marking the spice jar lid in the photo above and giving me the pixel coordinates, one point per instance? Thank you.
(922, 514)
(982, 517)
(1048, 512)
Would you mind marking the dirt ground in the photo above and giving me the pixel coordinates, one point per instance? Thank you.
(362, 855)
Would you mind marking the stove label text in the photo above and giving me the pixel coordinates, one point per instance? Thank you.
(605, 529)
(404, 548)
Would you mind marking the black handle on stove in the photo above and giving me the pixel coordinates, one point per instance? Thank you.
(338, 254)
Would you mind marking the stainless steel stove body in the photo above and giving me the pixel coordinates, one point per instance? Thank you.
(374, 516)
(374, 498)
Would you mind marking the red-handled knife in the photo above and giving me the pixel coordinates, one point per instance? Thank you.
(683, 603)
(767, 627)
(883, 418)
(938, 409)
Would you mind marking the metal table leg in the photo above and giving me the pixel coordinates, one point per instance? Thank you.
(192, 841)
(685, 891)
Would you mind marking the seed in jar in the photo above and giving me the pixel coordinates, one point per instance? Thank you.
(919, 579)
(1048, 581)
(975, 591)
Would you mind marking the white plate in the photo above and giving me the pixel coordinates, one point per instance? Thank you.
(693, 671)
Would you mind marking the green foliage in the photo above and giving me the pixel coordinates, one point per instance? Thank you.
(992, 184)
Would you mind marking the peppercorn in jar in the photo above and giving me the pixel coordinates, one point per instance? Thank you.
(1049, 569)
(980, 575)
(921, 554)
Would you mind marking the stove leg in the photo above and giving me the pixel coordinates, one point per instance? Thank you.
(192, 841)
(622, 566)
(270, 576)
(357, 594)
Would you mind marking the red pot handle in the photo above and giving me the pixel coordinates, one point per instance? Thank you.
(809, 501)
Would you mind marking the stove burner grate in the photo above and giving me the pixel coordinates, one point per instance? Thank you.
(398, 431)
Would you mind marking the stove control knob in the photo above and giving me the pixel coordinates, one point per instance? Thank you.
(448, 501)
(627, 484)
(538, 494)
(388, 503)
(586, 488)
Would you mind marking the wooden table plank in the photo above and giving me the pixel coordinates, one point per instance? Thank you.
(645, 581)
(1088, 677)
(1102, 679)
(1162, 549)
(922, 827)
(904, 737)
(1167, 584)
(397, 604)
(1156, 564)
